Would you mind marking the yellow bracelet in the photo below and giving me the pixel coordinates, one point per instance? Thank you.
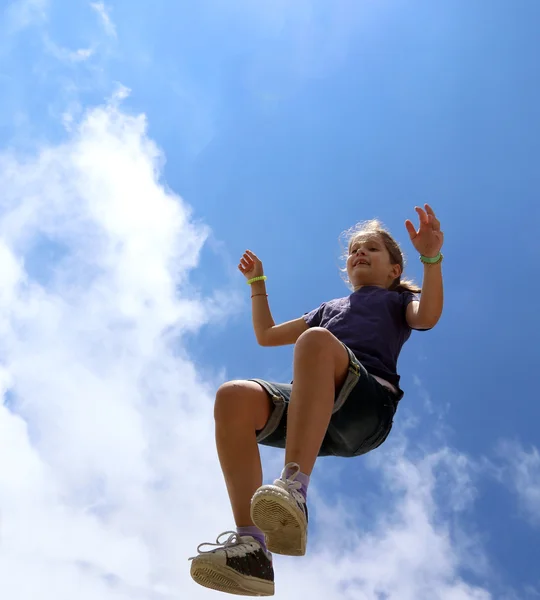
(261, 278)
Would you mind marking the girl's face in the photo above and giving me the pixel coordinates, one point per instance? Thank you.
(369, 262)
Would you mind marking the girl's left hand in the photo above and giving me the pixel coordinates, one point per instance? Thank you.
(428, 240)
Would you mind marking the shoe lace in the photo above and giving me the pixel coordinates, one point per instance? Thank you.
(233, 545)
(289, 483)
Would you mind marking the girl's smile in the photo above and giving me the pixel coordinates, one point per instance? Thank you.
(361, 261)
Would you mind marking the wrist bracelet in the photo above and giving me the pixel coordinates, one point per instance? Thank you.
(261, 278)
(431, 260)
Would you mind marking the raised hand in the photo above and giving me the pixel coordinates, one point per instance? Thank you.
(429, 238)
(250, 266)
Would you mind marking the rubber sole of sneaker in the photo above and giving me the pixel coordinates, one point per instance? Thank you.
(283, 523)
(224, 579)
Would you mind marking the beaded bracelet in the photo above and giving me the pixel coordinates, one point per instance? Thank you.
(431, 261)
(261, 278)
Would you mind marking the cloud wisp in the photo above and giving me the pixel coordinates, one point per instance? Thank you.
(105, 18)
(519, 469)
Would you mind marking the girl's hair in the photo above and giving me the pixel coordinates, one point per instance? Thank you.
(374, 226)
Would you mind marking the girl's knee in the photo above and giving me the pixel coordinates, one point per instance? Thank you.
(235, 400)
(316, 338)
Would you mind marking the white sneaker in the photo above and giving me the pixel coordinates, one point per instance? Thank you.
(280, 511)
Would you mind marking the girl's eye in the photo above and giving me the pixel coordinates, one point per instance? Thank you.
(373, 249)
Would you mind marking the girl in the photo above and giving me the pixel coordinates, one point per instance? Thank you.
(342, 402)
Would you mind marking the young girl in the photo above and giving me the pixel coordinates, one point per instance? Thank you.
(342, 401)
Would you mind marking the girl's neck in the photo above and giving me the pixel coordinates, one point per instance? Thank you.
(368, 285)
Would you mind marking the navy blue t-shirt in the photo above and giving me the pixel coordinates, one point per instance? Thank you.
(372, 323)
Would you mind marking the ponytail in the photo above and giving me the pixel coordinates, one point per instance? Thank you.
(405, 285)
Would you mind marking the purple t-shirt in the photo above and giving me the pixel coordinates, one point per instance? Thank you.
(372, 323)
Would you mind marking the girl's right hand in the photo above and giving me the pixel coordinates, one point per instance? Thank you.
(250, 266)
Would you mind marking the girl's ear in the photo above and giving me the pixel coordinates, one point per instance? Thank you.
(396, 271)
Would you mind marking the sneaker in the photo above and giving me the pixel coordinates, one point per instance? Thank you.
(280, 511)
(239, 565)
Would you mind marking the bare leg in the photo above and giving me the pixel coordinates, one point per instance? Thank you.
(320, 366)
(242, 408)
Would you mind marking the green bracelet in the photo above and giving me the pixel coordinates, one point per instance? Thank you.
(261, 278)
(431, 261)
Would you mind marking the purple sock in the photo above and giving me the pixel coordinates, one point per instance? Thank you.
(302, 478)
(254, 532)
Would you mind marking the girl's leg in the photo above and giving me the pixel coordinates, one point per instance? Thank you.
(241, 408)
(321, 364)
(237, 565)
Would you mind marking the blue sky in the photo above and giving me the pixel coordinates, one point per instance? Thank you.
(142, 149)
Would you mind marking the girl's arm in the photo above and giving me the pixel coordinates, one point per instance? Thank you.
(425, 314)
(266, 331)
(428, 241)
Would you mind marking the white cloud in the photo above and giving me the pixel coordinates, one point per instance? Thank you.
(520, 470)
(108, 473)
(402, 546)
(105, 17)
(65, 54)
(107, 412)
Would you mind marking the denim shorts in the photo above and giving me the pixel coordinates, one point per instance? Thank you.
(361, 420)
